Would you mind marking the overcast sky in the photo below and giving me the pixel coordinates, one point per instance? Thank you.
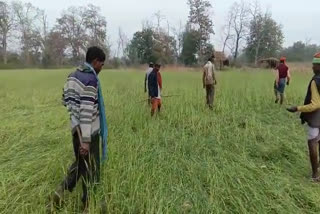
(298, 18)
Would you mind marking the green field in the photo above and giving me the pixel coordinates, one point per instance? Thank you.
(247, 156)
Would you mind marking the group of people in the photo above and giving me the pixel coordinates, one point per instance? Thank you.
(153, 84)
(83, 98)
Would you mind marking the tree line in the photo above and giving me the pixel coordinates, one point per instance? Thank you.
(249, 34)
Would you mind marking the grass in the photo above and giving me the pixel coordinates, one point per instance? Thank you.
(247, 156)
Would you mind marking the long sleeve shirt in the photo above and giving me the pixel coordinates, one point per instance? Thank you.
(80, 96)
(208, 74)
(315, 100)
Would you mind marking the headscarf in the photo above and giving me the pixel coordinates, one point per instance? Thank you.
(316, 58)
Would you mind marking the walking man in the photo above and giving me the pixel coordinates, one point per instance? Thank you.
(149, 70)
(83, 98)
(154, 88)
(282, 78)
(310, 114)
(209, 81)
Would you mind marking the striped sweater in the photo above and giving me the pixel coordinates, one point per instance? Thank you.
(80, 96)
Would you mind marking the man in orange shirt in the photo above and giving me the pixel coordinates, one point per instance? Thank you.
(310, 114)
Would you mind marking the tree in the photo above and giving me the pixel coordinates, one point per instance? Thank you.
(164, 48)
(226, 32)
(149, 45)
(199, 20)
(28, 22)
(83, 27)
(140, 47)
(190, 46)
(300, 51)
(239, 14)
(55, 49)
(96, 26)
(7, 24)
(71, 26)
(265, 38)
(178, 34)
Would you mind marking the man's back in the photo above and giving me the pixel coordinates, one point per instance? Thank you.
(153, 84)
(209, 73)
(283, 71)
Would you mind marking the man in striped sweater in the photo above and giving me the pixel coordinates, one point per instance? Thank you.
(80, 96)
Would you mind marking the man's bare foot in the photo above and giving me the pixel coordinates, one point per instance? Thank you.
(315, 178)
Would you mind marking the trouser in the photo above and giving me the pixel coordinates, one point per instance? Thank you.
(85, 167)
(279, 90)
(155, 104)
(210, 95)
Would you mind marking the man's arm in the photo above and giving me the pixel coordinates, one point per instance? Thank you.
(145, 82)
(159, 79)
(213, 74)
(288, 77)
(87, 102)
(315, 100)
(204, 78)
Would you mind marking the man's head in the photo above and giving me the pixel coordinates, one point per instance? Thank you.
(151, 65)
(95, 57)
(282, 60)
(211, 58)
(316, 63)
(157, 67)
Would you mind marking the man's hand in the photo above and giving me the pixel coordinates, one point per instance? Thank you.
(288, 83)
(215, 82)
(292, 109)
(84, 149)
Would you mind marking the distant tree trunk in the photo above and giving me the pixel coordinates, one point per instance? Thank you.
(4, 46)
(237, 48)
(257, 52)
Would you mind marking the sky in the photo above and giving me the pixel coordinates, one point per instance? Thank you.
(297, 17)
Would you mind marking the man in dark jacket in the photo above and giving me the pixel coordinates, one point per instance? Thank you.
(154, 88)
(310, 114)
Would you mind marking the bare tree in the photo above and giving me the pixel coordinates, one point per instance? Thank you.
(199, 20)
(159, 18)
(71, 27)
(178, 34)
(257, 21)
(7, 25)
(28, 22)
(240, 21)
(122, 43)
(96, 26)
(226, 32)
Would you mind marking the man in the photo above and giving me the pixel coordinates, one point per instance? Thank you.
(83, 98)
(150, 69)
(282, 77)
(154, 88)
(209, 81)
(311, 115)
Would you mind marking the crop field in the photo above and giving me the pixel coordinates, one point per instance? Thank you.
(248, 155)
